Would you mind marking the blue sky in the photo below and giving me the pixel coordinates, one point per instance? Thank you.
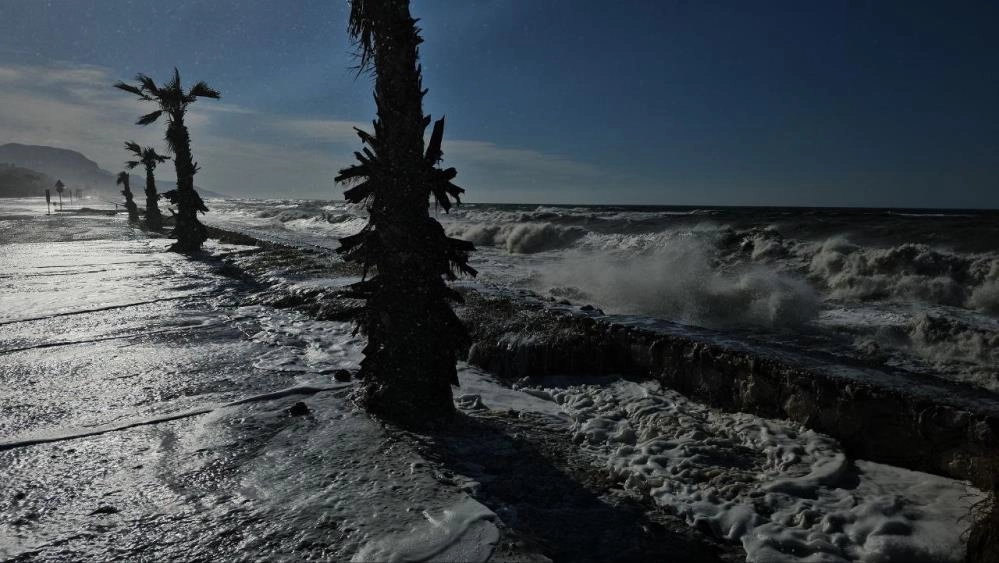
(564, 101)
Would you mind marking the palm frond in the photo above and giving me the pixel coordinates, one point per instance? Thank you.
(203, 90)
(366, 137)
(131, 90)
(352, 172)
(133, 147)
(434, 152)
(359, 193)
(148, 85)
(122, 178)
(360, 27)
(150, 154)
(174, 83)
(132, 164)
(149, 118)
(170, 145)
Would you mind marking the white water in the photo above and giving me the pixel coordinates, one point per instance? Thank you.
(779, 271)
(786, 493)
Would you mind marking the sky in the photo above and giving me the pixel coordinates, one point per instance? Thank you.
(832, 103)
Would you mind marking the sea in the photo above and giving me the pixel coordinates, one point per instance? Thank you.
(906, 289)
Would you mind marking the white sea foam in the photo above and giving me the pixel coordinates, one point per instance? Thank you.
(787, 493)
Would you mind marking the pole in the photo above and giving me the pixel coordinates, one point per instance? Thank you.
(48, 202)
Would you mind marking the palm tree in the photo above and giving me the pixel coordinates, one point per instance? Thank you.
(414, 336)
(149, 158)
(59, 187)
(133, 211)
(173, 101)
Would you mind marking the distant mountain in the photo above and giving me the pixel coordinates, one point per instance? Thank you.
(75, 170)
(22, 182)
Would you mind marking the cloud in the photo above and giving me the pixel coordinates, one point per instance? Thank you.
(322, 130)
(248, 152)
(73, 108)
(490, 172)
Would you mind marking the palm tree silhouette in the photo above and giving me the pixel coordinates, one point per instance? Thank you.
(149, 158)
(414, 336)
(59, 187)
(133, 211)
(173, 101)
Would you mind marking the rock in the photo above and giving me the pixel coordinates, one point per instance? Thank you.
(342, 375)
(105, 509)
(298, 409)
(470, 402)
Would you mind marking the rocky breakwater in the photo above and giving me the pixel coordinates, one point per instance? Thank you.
(878, 414)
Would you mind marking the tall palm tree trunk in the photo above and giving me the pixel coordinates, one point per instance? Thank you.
(133, 210)
(413, 335)
(154, 220)
(189, 231)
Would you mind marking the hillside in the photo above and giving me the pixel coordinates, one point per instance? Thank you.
(16, 181)
(73, 168)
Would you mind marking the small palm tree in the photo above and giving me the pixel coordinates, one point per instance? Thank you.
(149, 158)
(133, 210)
(173, 101)
(59, 187)
(414, 337)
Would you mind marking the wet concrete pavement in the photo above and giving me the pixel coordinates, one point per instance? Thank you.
(139, 421)
(99, 328)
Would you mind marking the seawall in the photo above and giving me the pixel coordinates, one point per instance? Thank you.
(897, 418)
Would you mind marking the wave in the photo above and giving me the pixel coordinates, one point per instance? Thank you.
(680, 281)
(908, 271)
(957, 347)
(941, 338)
(520, 238)
(740, 251)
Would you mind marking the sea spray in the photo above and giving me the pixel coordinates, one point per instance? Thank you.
(679, 282)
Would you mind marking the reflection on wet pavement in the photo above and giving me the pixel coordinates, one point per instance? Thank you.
(152, 392)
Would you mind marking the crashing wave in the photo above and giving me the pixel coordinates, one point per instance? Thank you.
(520, 238)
